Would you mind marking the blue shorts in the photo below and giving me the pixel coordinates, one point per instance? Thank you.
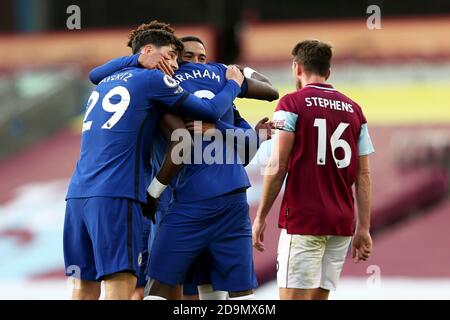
(150, 230)
(146, 233)
(219, 227)
(197, 275)
(102, 236)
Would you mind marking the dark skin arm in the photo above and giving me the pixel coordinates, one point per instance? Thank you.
(261, 90)
(169, 169)
(168, 124)
(260, 87)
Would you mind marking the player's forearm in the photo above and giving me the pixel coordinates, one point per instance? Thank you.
(273, 181)
(169, 123)
(261, 90)
(250, 73)
(363, 200)
(211, 109)
(169, 168)
(98, 74)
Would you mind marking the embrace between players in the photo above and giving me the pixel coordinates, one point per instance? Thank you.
(195, 240)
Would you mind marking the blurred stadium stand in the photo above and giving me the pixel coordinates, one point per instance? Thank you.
(43, 86)
(35, 104)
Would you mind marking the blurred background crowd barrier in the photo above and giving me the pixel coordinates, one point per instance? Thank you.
(399, 74)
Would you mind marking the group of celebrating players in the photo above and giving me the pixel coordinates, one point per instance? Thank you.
(137, 216)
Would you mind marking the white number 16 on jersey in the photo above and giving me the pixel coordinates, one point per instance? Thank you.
(118, 108)
(335, 142)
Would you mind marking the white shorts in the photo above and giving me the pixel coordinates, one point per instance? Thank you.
(309, 262)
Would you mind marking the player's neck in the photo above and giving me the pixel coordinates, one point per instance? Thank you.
(313, 79)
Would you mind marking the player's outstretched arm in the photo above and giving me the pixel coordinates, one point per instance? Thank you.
(153, 60)
(274, 176)
(261, 91)
(99, 73)
(258, 86)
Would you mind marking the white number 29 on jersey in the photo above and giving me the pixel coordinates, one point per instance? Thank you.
(335, 142)
(118, 108)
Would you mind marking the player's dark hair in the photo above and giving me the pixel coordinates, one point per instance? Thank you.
(192, 38)
(155, 24)
(314, 55)
(157, 38)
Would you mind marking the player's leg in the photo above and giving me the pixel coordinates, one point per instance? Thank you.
(156, 290)
(320, 294)
(299, 265)
(336, 250)
(207, 292)
(85, 290)
(296, 294)
(190, 284)
(120, 286)
(78, 253)
(138, 293)
(232, 268)
(180, 239)
(115, 227)
(190, 297)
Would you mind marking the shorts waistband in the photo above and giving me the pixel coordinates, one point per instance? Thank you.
(232, 197)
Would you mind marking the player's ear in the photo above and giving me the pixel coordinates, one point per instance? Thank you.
(327, 75)
(299, 69)
(295, 69)
(148, 49)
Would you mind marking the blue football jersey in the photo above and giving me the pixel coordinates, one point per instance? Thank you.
(204, 80)
(203, 181)
(120, 120)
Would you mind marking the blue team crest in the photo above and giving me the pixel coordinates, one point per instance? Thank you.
(140, 259)
(170, 82)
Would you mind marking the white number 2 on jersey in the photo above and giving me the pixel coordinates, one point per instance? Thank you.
(118, 108)
(204, 94)
(335, 142)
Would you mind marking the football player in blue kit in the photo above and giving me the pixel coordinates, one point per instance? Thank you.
(197, 284)
(103, 220)
(209, 212)
(204, 77)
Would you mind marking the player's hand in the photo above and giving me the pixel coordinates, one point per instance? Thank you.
(241, 68)
(156, 60)
(361, 246)
(259, 226)
(195, 127)
(264, 129)
(233, 73)
(149, 209)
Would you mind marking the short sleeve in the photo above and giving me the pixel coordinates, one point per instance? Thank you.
(365, 146)
(165, 89)
(285, 116)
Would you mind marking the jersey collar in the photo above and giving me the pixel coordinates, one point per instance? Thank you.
(323, 86)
